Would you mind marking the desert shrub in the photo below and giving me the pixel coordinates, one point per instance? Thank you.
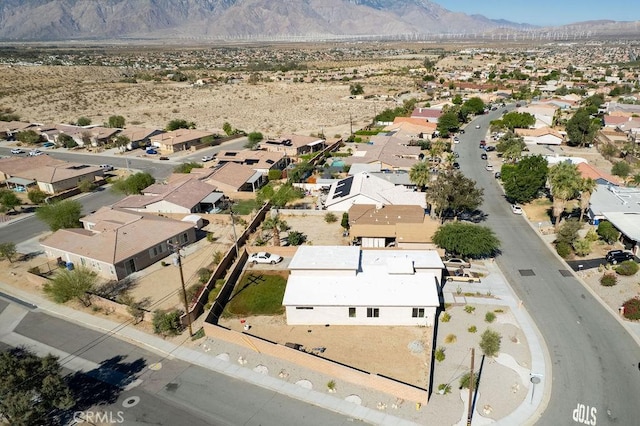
(446, 317)
(469, 309)
(330, 218)
(444, 388)
(582, 247)
(86, 185)
(450, 338)
(275, 175)
(217, 256)
(568, 231)
(193, 291)
(166, 323)
(211, 237)
(498, 311)
(627, 268)
(36, 196)
(472, 329)
(203, 275)
(296, 238)
(465, 381)
(607, 232)
(632, 309)
(608, 280)
(564, 249)
(440, 356)
(592, 235)
(490, 342)
(490, 317)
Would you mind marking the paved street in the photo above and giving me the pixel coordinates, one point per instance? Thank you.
(146, 388)
(592, 357)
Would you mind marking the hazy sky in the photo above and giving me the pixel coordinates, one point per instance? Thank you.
(547, 12)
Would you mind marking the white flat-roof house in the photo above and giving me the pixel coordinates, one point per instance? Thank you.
(621, 207)
(344, 285)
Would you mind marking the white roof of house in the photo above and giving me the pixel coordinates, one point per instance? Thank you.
(614, 199)
(627, 223)
(374, 287)
(420, 258)
(326, 257)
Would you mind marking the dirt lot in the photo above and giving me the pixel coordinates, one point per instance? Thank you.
(272, 108)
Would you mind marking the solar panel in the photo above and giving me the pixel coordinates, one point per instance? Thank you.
(343, 187)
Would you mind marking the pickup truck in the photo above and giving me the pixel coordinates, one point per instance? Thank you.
(464, 276)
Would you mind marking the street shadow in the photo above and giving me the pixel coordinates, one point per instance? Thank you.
(477, 385)
(103, 385)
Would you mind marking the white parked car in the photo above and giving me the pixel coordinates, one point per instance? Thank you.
(106, 167)
(16, 151)
(477, 126)
(516, 209)
(264, 257)
(207, 158)
(35, 152)
(489, 167)
(456, 263)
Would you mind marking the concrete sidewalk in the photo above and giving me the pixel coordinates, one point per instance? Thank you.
(495, 284)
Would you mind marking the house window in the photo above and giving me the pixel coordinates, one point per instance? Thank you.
(185, 238)
(352, 312)
(417, 313)
(306, 308)
(373, 312)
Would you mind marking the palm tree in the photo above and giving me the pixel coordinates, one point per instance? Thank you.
(564, 179)
(419, 174)
(587, 186)
(275, 225)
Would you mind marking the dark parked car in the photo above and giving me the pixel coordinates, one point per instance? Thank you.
(483, 156)
(483, 143)
(615, 256)
(456, 165)
(489, 148)
(498, 175)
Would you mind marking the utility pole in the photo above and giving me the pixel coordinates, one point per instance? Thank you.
(233, 226)
(351, 124)
(471, 382)
(175, 248)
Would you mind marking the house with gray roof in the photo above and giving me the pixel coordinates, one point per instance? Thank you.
(116, 243)
(621, 207)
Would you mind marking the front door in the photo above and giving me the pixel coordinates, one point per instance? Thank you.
(130, 266)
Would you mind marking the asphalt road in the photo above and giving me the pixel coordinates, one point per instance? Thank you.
(594, 360)
(178, 393)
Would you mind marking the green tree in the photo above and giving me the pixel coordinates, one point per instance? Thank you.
(253, 139)
(121, 142)
(187, 167)
(356, 89)
(607, 232)
(61, 214)
(490, 342)
(466, 239)
(452, 191)
(29, 137)
(227, 129)
(166, 323)
(66, 141)
(72, 284)
(31, 387)
(83, 121)
(9, 200)
(276, 225)
(568, 232)
(134, 184)
(420, 174)
(511, 147)
(475, 105)
(295, 238)
(581, 129)
(621, 168)
(524, 180)
(116, 121)
(565, 180)
(36, 196)
(448, 123)
(517, 120)
(8, 251)
(177, 123)
(345, 221)
(587, 186)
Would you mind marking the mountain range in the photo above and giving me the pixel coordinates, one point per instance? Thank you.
(49, 20)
